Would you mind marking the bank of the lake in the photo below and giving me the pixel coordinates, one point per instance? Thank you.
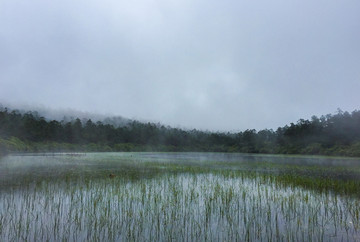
(15, 145)
(335, 135)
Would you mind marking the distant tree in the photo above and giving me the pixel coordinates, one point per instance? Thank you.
(330, 134)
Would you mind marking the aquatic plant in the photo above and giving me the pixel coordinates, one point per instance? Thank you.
(161, 200)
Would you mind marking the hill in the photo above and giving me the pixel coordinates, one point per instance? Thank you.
(337, 134)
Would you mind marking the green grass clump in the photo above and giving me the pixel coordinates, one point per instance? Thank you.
(72, 198)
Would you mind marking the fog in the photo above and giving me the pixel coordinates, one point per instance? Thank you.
(217, 65)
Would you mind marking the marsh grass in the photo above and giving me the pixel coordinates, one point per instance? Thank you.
(162, 200)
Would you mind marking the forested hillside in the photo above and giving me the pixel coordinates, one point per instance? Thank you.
(337, 134)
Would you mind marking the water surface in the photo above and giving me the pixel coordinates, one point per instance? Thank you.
(179, 197)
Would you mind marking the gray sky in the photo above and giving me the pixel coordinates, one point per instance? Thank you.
(206, 64)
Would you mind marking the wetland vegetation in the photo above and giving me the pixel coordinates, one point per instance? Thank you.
(178, 197)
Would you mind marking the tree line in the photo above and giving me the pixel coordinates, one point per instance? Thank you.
(337, 134)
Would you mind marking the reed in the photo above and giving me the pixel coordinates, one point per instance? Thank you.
(186, 206)
(166, 201)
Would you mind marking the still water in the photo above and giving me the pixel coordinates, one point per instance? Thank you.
(178, 197)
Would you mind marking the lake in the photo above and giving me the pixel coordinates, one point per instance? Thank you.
(178, 197)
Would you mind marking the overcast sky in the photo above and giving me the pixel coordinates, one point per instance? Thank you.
(218, 65)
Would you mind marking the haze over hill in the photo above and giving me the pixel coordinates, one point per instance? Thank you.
(217, 65)
(67, 115)
(337, 134)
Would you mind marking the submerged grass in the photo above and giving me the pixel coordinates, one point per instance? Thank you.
(73, 199)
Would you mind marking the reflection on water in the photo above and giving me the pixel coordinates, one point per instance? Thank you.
(173, 196)
(22, 169)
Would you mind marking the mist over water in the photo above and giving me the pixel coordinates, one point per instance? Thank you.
(227, 76)
(23, 169)
(177, 196)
